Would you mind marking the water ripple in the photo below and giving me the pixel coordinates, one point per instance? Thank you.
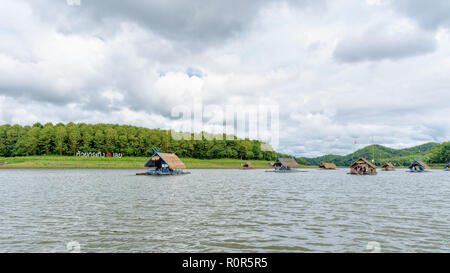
(223, 211)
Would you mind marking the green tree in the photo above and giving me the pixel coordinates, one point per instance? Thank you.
(74, 138)
(46, 139)
(60, 139)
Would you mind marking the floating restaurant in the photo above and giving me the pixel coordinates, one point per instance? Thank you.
(418, 166)
(164, 164)
(388, 167)
(363, 167)
(327, 166)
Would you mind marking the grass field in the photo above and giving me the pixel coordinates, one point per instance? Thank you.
(71, 162)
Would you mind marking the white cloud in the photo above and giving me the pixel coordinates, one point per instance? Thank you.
(339, 71)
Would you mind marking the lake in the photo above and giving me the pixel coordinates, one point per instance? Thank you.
(224, 211)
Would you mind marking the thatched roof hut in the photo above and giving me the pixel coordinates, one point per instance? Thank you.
(361, 162)
(248, 165)
(286, 163)
(169, 160)
(363, 166)
(388, 167)
(327, 166)
(418, 165)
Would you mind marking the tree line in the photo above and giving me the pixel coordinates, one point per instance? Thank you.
(68, 139)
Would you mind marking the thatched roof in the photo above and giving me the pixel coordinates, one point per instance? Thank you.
(171, 159)
(287, 162)
(388, 165)
(421, 163)
(363, 161)
(248, 165)
(327, 165)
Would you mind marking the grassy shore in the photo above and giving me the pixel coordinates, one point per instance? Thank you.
(71, 162)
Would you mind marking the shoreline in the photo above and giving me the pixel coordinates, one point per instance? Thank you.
(2, 167)
(135, 163)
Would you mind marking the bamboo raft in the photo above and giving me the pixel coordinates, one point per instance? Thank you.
(163, 173)
(286, 171)
(362, 173)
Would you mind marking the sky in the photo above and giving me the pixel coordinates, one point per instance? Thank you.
(375, 71)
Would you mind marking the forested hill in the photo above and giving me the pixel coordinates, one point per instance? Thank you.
(429, 152)
(67, 139)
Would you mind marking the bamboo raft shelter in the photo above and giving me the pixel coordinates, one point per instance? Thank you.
(327, 166)
(419, 166)
(285, 165)
(388, 167)
(363, 167)
(164, 164)
(247, 166)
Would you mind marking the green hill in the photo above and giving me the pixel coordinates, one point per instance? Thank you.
(380, 154)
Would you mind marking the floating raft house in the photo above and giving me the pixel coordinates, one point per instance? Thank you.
(388, 167)
(327, 166)
(363, 167)
(285, 165)
(418, 166)
(164, 164)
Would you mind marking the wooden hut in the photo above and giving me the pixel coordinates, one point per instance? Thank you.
(363, 167)
(418, 166)
(285, 164)
(388, 167)
(327, 166)
(164, 164)
(247, 165)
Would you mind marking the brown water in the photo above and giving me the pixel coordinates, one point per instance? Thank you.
(223, 211)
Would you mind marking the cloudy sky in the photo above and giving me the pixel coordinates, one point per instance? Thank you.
(373, 70)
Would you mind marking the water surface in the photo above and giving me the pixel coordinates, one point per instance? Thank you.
(223, 211)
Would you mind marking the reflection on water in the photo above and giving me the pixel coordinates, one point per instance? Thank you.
(223, 211)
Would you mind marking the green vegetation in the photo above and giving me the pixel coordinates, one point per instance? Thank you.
(72, 162)
(440, 153)
(131, 141)
(429, 152)
(54, 146)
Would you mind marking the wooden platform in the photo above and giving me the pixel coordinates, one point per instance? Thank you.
(159, 174)
(290, 171)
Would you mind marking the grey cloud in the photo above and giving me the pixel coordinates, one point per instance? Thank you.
(430, 14)
(377, 43)
(196, 23)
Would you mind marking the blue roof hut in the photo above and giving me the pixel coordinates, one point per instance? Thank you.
(164, 164)
(285, 164)
(418, 166)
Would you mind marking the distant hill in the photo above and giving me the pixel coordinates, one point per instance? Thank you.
(380, 154)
